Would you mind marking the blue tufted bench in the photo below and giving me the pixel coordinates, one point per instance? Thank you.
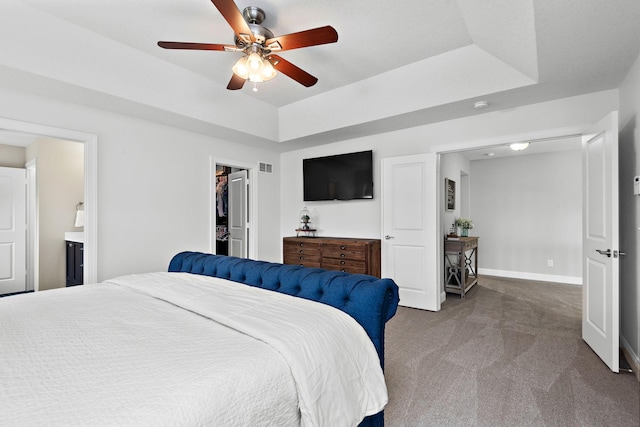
(369, 300)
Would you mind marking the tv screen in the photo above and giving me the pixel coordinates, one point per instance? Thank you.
(340, 177)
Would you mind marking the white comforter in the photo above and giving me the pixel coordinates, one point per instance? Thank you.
(177, 349)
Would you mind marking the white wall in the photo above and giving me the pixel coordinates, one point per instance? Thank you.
(452, 166)
(12, 156)
(153, 183)
(60, 187)
(527, 209)
(629, 143)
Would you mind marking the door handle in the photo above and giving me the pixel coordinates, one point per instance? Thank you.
(387, 237)
(604, 252)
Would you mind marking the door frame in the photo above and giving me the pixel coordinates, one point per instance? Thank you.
(90, 142)
(33, 227)
(576, 130)
(252, 177)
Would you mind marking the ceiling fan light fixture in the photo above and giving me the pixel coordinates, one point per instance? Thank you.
(254, 61)
(241, 69)
(268, 72)
(519, 146)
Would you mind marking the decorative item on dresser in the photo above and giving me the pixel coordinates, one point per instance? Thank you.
(351, 255)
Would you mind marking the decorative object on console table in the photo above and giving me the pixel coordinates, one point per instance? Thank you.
(359, 256)
(465, 224)
(461, 264)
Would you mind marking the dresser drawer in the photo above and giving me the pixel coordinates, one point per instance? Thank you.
(344, 251)
(350, 266)
(301, 248)
(296, 258)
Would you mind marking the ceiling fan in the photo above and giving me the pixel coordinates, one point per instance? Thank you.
(258, 44)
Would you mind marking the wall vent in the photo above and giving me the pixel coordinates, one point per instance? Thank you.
(266, 167)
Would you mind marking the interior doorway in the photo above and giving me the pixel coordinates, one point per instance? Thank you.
(233, 207)
(231, 211)
(90, 156)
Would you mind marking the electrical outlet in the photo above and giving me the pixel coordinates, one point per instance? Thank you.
(549, 263)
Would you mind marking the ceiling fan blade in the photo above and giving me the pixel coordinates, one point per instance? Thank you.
(313, 37)
(288, 69)
(233, 16)
(195, 46)
(236, 82)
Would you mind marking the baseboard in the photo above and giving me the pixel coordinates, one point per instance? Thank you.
(632, 358)
(571, 280)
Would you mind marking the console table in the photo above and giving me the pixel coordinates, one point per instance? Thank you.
(360, 256)
(460, 264)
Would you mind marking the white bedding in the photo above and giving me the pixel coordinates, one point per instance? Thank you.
(177, 349)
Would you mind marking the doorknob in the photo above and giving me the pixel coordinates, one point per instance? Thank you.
(604, 252)
(387, 237)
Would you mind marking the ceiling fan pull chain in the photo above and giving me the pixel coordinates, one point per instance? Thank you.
(255, 86)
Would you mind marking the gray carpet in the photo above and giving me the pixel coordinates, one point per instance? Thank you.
(509, 354)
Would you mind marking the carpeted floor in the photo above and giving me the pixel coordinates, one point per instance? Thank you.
(509, 354)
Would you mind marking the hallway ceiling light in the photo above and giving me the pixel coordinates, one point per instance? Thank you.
(519, 146)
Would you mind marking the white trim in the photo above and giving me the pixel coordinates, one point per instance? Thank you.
(252, 226)
(90, 142)
(33, 229)
(628, 351)
(570, 280)
(506, 139)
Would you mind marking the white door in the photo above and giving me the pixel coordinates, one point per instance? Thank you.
(600, 250)
(411, 243)
(13, 240)
(238, 214)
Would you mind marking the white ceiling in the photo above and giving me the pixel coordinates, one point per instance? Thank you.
(396, 64)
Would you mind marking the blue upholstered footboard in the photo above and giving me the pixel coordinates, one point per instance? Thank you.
(369, 300)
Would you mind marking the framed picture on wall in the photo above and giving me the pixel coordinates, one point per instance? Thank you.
(450, 194)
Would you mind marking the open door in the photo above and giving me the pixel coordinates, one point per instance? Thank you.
(238, 214)
(411, 241)
(13, 240)
(600, 245)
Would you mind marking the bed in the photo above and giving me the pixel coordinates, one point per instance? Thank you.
(196, 346)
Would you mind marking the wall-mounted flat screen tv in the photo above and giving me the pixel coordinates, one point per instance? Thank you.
(340, 177)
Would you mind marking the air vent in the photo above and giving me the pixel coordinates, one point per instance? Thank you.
(266, 167)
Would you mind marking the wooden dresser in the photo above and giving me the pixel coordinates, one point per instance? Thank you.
(361, 256)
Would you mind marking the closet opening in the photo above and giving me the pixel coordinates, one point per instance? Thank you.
(231, 211)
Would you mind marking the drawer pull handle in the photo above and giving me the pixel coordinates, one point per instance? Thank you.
(342, 263)
(342, 247)
(301, 251)
(342, 255)
(301, 257)
(342, 270)
(301, 244)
